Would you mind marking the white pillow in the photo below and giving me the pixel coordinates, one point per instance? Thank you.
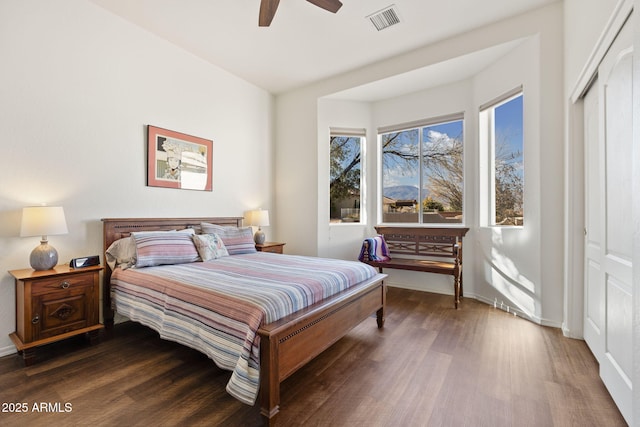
(209, 246)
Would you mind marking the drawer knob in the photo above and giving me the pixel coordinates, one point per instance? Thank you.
(65, 285)
(35, 319)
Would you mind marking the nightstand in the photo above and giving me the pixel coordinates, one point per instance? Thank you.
(274, 247)
(55, 304)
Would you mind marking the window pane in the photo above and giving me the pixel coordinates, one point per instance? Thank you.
(344, 188)
(400, 176)
(508, 163)
(442, 182)
(422, 174)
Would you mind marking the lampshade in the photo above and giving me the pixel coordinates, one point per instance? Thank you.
(43, 221)
(260, 218)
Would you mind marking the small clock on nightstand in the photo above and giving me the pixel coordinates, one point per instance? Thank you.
(274, 247)
(52, 305)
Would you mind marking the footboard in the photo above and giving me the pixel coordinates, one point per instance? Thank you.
(288, 344)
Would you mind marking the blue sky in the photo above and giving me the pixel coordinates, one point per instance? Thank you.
(402, 176)
(509, 123)
(453, 129)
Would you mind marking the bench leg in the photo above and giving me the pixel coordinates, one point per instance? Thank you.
(380, 318)
(380, 313)
(457, 290)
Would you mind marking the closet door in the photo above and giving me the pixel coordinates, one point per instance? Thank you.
(594, 289)
(608, 238)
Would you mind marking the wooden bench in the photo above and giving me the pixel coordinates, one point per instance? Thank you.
(428, 249)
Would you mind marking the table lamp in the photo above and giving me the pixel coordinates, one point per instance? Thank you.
(259, 218)
(43, 221)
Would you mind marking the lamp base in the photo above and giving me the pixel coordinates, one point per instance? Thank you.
(43, 257)
(259, 237)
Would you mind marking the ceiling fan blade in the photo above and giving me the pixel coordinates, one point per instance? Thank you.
(267, 12)
(330, 5)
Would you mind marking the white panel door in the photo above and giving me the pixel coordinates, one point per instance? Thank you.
(608, 241)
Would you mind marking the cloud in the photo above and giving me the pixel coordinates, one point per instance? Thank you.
(440, 139)
(398, 175)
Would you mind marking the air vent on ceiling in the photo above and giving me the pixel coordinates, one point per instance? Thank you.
(385, 18)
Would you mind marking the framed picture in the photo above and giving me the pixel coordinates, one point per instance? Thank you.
(177, 160)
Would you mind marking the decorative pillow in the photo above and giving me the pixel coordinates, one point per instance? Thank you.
(160, 248)
(374, 249)
(237, 240)
(209, 246)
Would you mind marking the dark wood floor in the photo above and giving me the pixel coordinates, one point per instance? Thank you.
(430, 366)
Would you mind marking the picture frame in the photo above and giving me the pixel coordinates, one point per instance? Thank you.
(178, 160)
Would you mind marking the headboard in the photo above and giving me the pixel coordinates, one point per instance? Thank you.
(117, 228)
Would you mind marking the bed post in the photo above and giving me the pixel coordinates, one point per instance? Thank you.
(269, 379)
(107, 311)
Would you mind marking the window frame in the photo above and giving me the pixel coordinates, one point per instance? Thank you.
(419, 125)
(487, 157)
(362, 135)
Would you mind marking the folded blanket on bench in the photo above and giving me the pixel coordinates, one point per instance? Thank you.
(374, 249)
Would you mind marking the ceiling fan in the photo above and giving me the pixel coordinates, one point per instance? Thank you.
(268, 9)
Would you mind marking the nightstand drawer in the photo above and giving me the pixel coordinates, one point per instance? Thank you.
(64, 283)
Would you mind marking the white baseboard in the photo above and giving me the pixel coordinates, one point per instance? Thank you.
(519, 313)
(569, 333)
(506, 308)
(6, 351)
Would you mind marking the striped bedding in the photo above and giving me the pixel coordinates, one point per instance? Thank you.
(217, 306)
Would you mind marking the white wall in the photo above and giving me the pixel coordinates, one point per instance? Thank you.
(78, 85)
(584, 22)
(538, 244)
(510, 260)
(296, 173)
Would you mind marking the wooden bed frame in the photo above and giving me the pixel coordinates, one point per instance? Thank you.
(287, 344)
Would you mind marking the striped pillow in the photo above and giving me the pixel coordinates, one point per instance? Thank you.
(162, 247)
(236, 240)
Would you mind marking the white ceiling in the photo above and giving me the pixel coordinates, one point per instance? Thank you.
(304, 43)
(439, 74)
